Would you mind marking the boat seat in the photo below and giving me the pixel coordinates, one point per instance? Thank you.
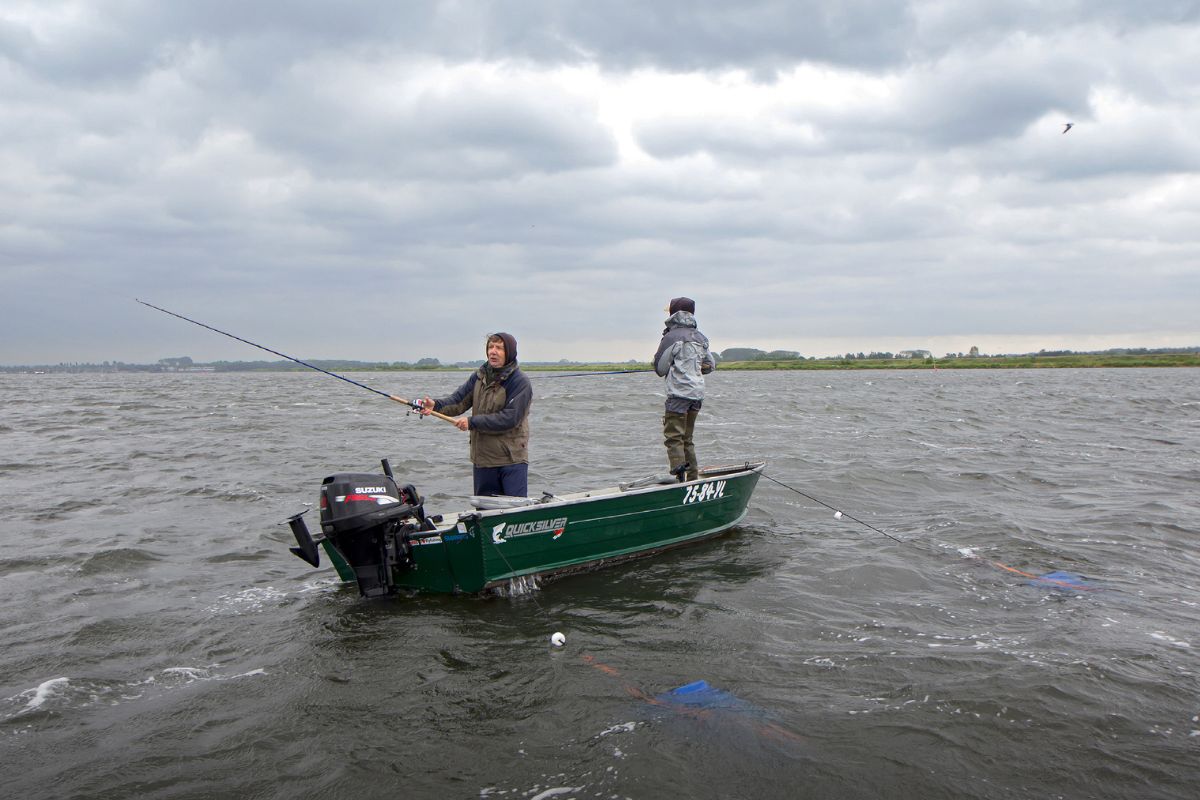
(650, 480)
(493, 502)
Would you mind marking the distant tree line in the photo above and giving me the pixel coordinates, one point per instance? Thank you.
(744, 354)
(754, 354)
(186, 364)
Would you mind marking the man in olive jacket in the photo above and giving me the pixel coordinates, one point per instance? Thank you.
(683, 359)
(499, 396)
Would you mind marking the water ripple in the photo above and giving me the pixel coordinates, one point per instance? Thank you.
(150, 602)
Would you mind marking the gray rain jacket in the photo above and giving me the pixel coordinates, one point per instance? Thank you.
(683, 357)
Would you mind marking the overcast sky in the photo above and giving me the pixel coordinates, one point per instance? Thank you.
(393, 180)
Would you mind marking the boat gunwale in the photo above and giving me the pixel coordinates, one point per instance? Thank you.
(579, 498)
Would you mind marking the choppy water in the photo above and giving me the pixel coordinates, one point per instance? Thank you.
(159, 641)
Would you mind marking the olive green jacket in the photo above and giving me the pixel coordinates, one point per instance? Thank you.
(499, 423)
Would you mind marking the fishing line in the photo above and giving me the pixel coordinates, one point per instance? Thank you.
(415, 405)
(590, 374)
(837, 512)
(532, 590)
(1074, 585)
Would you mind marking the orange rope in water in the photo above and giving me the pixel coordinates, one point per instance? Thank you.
(1041, 579)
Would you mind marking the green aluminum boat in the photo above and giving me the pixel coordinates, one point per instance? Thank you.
(377, 533)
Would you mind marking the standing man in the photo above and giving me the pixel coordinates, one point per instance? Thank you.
(683, 359)
(499, 395)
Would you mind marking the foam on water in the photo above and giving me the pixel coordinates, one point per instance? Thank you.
(519, 586)
(624, 727)
(1180, 643)
(62, 695)
(42, 692)
(248, 601)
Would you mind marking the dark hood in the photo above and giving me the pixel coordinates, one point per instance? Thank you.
(510, 346)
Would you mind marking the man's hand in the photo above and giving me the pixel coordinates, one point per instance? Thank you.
(426, 406)
(462, 423)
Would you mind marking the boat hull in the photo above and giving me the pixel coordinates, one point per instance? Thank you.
(486, 550)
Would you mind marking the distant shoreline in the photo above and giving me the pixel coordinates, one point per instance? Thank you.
(1029, 361)
(1033, 361)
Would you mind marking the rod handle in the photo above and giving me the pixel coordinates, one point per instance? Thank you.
(416, 407)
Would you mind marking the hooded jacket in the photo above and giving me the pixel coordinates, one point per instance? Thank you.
(683, 357)
(499, 423)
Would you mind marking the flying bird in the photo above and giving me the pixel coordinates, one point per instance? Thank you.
(1067, 126)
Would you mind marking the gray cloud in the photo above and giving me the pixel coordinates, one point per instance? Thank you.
(393, 179)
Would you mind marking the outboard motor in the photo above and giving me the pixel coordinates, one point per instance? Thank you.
(369, 518)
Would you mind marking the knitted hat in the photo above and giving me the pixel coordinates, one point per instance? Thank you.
(682, 304)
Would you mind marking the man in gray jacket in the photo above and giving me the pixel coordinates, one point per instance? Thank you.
(683, 359)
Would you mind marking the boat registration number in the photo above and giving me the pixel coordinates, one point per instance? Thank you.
(704, 491)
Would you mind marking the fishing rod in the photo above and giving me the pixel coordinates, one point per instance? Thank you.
(1071, 582)
(413, 404)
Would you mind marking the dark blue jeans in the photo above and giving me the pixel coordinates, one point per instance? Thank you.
(511, 480)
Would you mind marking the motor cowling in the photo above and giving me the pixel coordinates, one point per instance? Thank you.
(368, 518)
